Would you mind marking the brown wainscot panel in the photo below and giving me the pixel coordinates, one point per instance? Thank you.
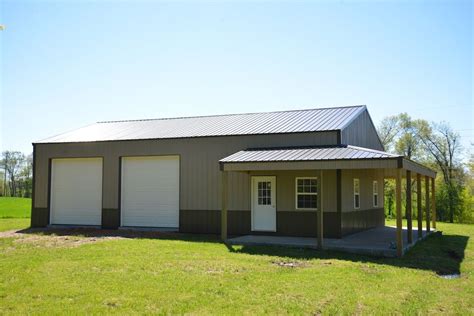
(200, 221)
(356, 221)
(289, 223)
(39, 217)
(110, 218)
(239, 222)
(209, 222)
(304, 224)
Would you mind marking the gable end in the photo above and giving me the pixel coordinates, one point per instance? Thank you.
(361, 132)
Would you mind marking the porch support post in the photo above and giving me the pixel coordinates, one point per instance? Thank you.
(427, 193)
(224, 206)
(408, 208)
(433, 202)
(398, 201)
(419, 205)
(320, 212)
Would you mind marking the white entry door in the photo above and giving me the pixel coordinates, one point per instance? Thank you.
(264, 204)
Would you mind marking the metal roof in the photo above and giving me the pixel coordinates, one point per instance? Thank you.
(297, 121)
(343, 152)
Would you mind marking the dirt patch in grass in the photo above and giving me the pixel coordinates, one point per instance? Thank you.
(322, 306)
(53, 240)
(369, 269)
(76, 236)
(359, 309)
(290, 264)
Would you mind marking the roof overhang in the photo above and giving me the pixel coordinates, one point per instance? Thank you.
(320, 158)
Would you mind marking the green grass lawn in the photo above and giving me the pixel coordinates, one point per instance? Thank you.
(13, 207)
(45, 274)
(14, 223)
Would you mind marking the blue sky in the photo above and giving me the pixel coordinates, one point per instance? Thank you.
(66, 64)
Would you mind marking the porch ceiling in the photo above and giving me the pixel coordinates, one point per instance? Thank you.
(320, 158)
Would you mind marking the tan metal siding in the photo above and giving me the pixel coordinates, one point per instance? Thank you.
(365, 176)
(361, 132)
(199, 172)
(286, 195)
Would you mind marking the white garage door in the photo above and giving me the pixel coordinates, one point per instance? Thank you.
(150, 191)
(76, 191)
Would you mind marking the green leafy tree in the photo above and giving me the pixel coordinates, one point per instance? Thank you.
(437, 146)
(398, 134)
(444, 146)
(2, 191)
(467, 194)
(25, 177)
(388, 131)
(12, 162)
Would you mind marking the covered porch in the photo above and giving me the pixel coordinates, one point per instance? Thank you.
(376, 241)
(381, 240)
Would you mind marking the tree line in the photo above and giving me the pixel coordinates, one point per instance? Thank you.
(438, 146)
(16, 174)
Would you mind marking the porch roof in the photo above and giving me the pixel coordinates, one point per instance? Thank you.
(321, 157)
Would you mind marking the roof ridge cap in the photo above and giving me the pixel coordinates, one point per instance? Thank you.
(230, 114)
(295, 147)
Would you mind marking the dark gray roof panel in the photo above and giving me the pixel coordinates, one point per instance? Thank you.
(297, 121)
(306, 154)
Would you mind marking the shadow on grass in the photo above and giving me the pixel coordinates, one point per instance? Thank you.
(439, 253)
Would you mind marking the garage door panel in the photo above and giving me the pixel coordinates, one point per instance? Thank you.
(145, 221)
(76, 191)
(150, 191)
(85, 219)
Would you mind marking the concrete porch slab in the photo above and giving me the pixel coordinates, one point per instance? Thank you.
(380, 241)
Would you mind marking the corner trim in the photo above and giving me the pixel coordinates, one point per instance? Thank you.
(339, 200)
(399, 162)
(33, 185)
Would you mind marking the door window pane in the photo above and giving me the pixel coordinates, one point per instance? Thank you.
(264, 193)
